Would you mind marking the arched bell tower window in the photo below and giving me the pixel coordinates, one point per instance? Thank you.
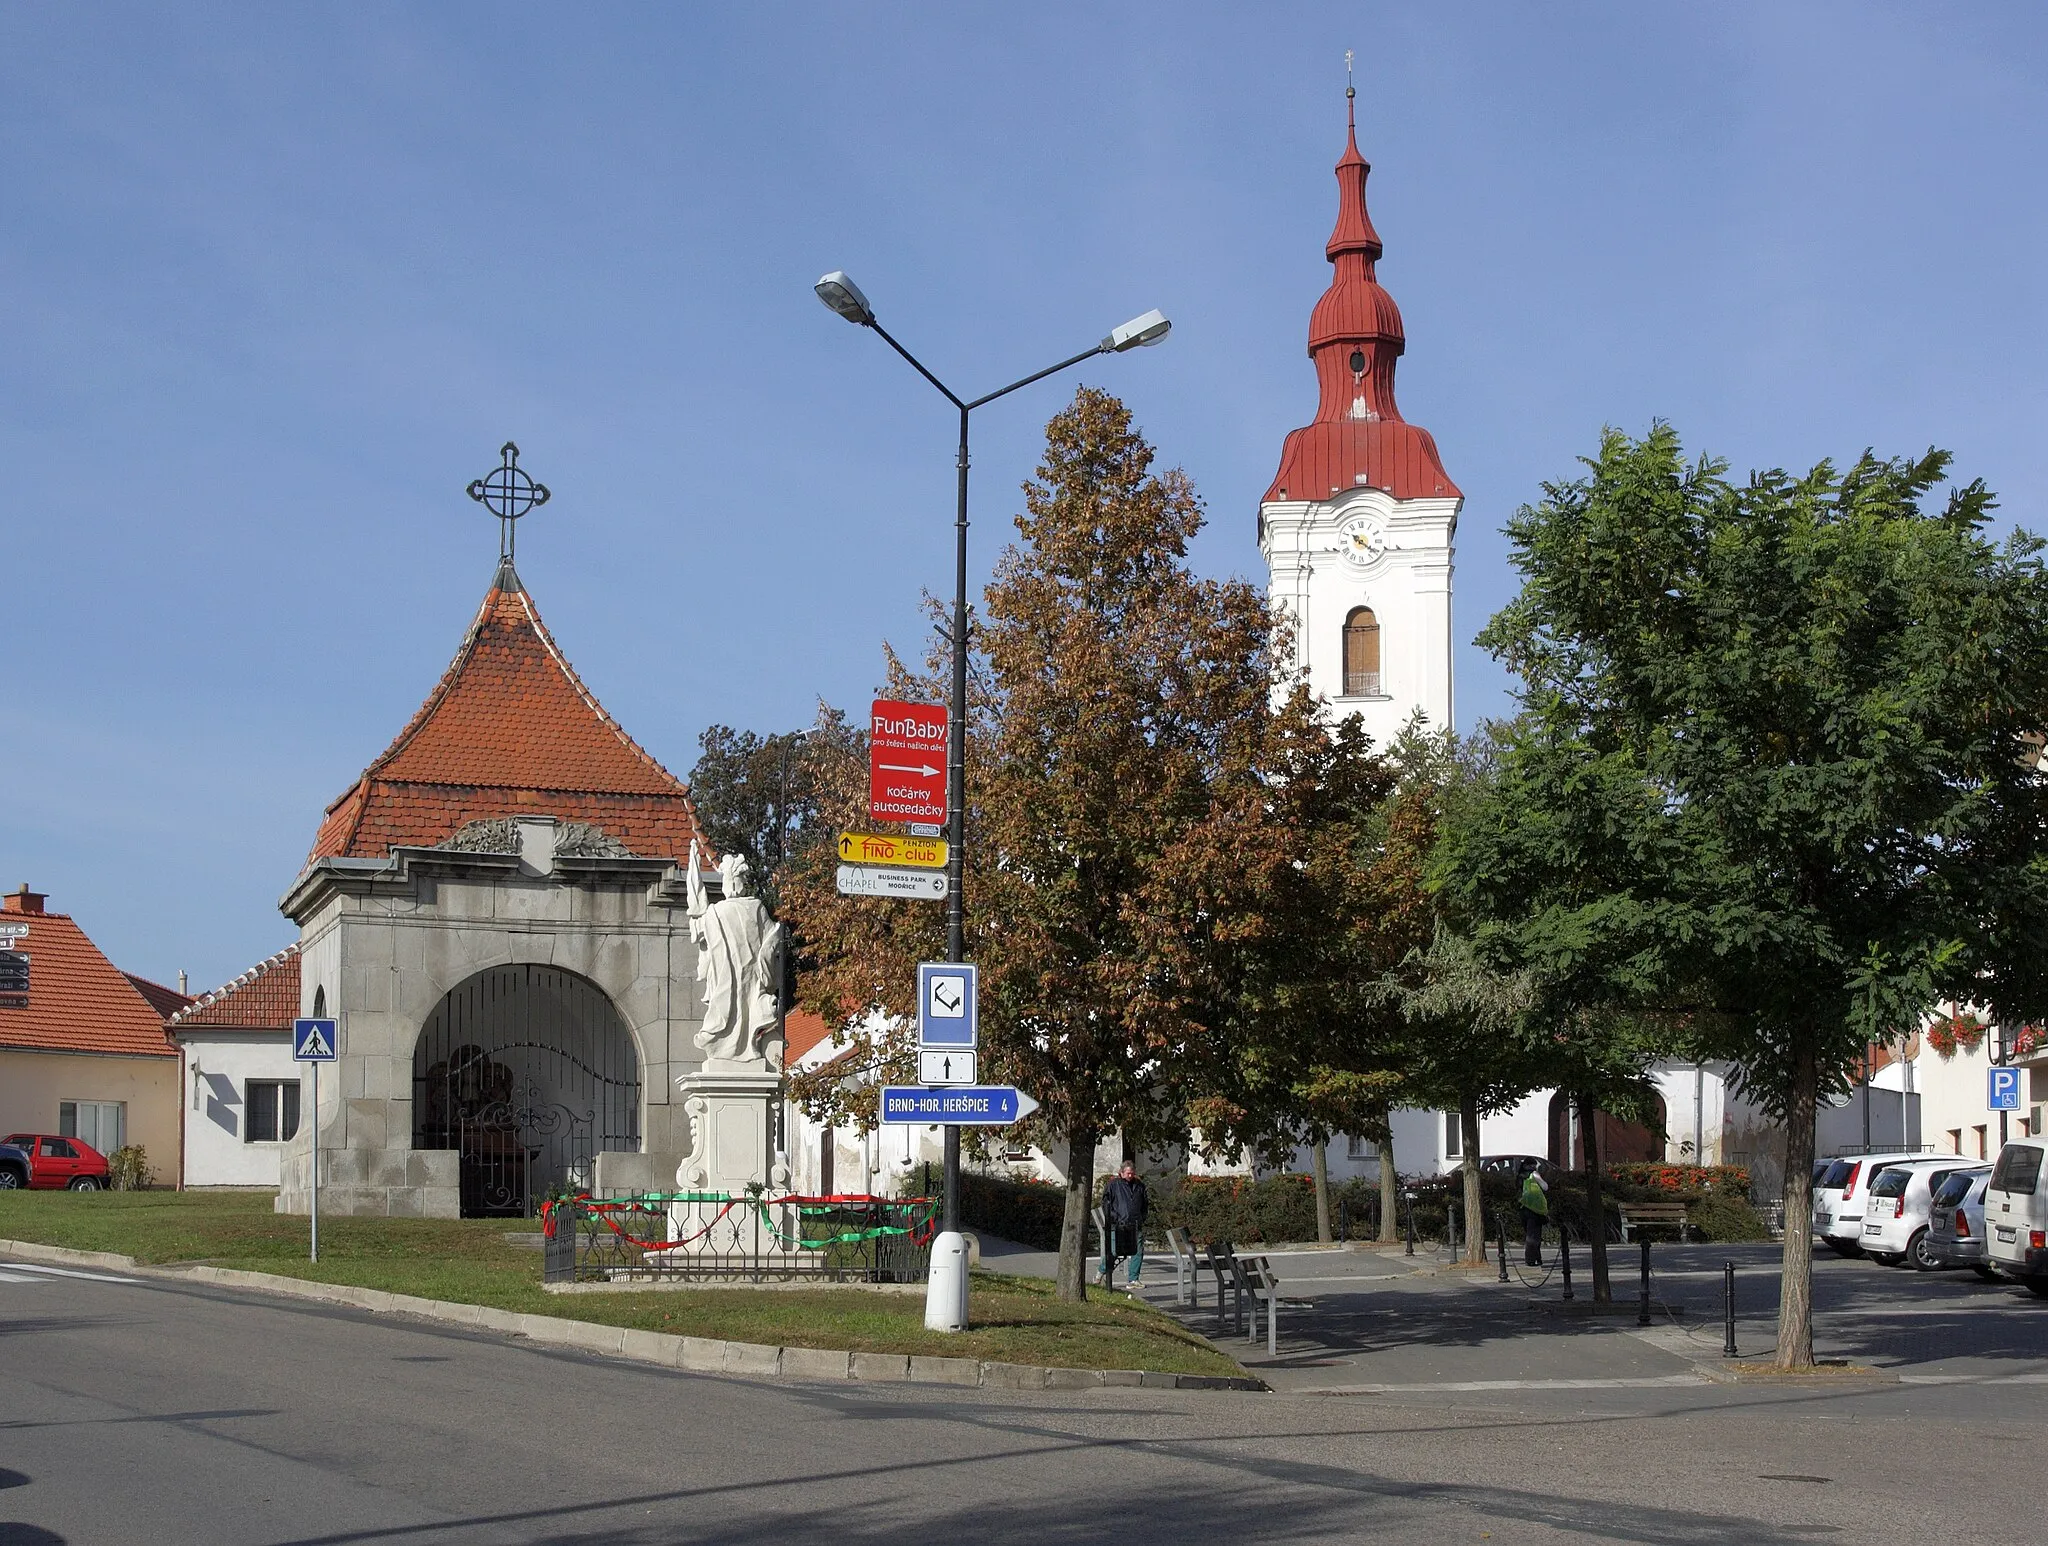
(1361, 654)
(320, 1003)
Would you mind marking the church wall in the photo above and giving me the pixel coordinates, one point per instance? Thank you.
(1408, 589)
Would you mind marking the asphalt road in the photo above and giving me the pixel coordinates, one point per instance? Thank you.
(163, 1413)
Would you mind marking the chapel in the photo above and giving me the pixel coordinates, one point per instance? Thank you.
(495, 912)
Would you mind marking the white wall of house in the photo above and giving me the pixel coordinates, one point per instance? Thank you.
(218, 1070)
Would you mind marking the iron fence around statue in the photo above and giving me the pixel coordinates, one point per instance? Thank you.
(739, 1237)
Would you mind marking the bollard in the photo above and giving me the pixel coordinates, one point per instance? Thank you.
(1501, 1220)
(1409, 1198)
(1728, 1311)
(1643, 1314)
(1564, 1257)
(1343, 1221)
(1451, 1227)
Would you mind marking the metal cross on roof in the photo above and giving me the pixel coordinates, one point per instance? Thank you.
(508, 493)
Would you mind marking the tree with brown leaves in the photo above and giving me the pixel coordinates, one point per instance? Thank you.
(1123, 834)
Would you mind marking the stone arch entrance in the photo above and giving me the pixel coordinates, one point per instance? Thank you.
(528, 1073)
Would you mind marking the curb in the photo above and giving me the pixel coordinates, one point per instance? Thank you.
(1821, 1376)
(695, 1355)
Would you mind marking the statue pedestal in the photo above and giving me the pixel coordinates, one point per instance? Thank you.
(731, 1112)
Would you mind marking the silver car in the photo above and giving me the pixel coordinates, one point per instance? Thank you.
(1955, 1224)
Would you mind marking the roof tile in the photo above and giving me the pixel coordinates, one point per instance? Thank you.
(264, 998)
(509, 730)
(78, 1000)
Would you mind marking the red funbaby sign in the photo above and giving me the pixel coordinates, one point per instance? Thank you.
(907, 761)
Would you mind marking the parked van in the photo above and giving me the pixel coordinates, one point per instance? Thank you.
(2016, 1213)
(1838, 1198)
(1896, 1210)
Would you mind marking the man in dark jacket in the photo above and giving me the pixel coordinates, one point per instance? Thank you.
(1125, 1203)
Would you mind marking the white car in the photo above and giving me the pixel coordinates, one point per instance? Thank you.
(1838, 1198)
(1897, 1206)
(2016, 1213)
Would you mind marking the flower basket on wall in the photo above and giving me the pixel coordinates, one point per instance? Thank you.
(1959, 1031)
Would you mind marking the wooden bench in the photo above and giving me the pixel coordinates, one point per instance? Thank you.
(1668, 1215)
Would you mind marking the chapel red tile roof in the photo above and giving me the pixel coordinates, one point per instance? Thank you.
(510, 730)
(78, 1000)
(264, 998)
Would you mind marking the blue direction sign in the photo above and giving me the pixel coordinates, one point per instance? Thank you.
(984, 1105)
(314, 1041)
(946, 1014)
(2005, 1089)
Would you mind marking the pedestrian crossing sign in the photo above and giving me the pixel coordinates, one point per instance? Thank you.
(314, 1041)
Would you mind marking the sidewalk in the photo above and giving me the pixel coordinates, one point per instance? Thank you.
(1374, 1321)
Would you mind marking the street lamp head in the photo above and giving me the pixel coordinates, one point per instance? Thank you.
(1138, 333)
(844, 297)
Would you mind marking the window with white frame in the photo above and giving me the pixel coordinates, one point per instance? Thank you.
(1454, 1136)
(272, 1106)
(101, 1123)
(1359, 1148)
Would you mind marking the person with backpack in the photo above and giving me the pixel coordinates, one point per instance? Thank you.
(1535, 1200)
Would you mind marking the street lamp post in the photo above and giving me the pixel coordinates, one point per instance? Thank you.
(843, 296)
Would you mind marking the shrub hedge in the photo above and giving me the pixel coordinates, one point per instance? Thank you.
(1281, 1209)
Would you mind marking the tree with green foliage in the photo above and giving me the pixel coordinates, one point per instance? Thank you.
(1776, 779)
(757, 794)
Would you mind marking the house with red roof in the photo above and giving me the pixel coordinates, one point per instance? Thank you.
(240, 1090)
(82, 1046)
(495, 911)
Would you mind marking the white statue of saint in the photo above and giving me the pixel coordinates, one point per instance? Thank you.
(739, 961)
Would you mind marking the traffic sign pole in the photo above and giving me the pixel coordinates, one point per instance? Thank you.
(316, 1162)
(315, 1041)
(949, 1315)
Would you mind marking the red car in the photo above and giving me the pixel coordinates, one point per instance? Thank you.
(57, 1163)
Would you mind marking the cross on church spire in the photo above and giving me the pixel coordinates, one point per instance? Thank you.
(508, 493)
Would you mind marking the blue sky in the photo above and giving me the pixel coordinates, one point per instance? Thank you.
(276, 281)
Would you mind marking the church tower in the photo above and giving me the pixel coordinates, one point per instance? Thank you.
(1358, 524)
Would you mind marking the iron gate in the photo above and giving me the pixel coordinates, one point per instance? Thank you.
(528, 1072)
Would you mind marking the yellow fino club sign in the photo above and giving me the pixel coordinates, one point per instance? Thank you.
(924, 853)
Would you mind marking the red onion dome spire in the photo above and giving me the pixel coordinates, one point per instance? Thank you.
(1354, 338)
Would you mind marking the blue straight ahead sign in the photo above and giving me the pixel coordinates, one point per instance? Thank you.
(314, 1041)
(2005, 1089)
(986, 1105)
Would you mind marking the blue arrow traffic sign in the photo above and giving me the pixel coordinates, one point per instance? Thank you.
(314, 1041)
(984, 1105)
(2004, 1094)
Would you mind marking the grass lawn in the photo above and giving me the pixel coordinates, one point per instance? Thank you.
(1016, 1320)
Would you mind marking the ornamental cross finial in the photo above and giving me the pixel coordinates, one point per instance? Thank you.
(1349, 89)
(508, 493)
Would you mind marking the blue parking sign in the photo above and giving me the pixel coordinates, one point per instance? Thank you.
(2005, 1089)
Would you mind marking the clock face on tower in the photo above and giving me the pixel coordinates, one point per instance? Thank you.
(1362, 540)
